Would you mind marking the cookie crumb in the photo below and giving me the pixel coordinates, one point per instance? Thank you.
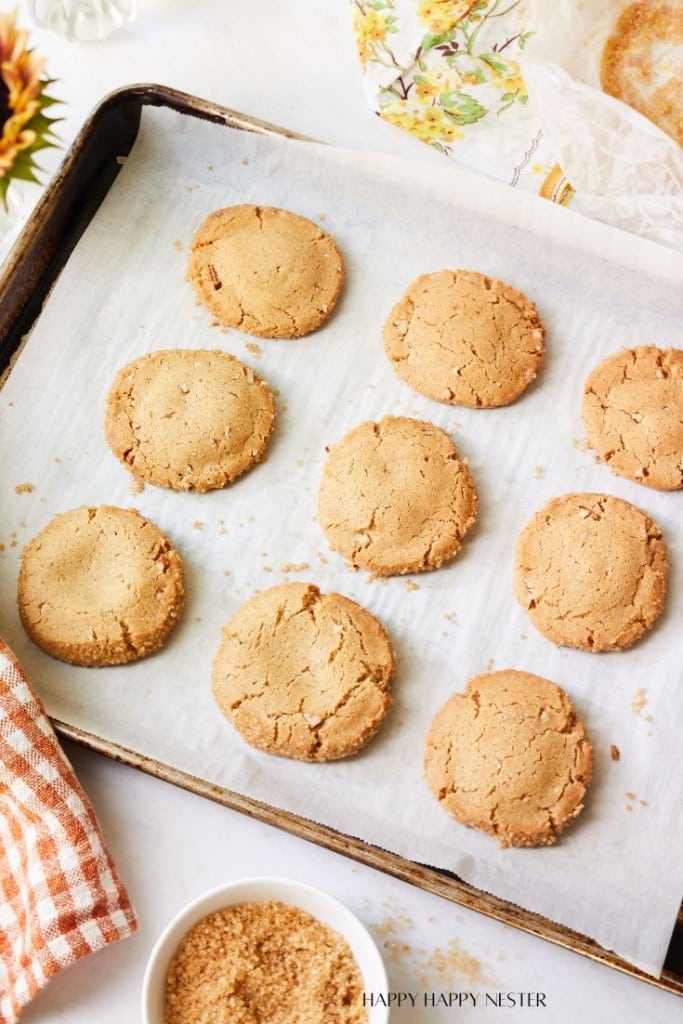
(2, 548)
(614, 752)
(198, 525)
(488, 664)
(630, 796)
(410, 585)
(254, 348)
(537, 472)
(177, 245)
(294, 567)
(450, 617)
(121, 160)
(137, 485)
(638, 701)
(244, 161)
(321, 216)
(266, 568)
(25, 488)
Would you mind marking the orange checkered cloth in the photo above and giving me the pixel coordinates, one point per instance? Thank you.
(60, 894)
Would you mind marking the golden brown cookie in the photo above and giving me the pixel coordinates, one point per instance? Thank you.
(267, 271)
(460, 337)
(641, 63)
(633, 414)
(396, 497)
(190, 420)
(591, 571)
(509, 757)
(304, 674)
(100, 586)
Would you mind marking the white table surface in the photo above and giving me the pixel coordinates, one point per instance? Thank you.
(293, 64)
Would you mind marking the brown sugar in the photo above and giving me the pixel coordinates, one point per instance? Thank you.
(263, 962)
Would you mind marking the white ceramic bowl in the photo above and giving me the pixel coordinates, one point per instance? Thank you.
(314, 901)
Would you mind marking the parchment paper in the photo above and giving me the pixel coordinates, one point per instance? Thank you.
(617, 874)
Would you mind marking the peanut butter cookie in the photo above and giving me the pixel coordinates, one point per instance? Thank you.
(100, 586)
(633, 414)
(266, 271)
(509, 757)
(396, 497)
(460, 337)
(591, 571)
(189, 420)
(303, 674)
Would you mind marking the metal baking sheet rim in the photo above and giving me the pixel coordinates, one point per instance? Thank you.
(20, 278)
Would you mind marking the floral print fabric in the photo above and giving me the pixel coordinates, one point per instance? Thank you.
(447, 71)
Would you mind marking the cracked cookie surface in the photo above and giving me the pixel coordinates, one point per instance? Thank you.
(633, 415)
(509, 757)
(395, 496)
(303, 674)
(460, 337)
(100, 586)
(591, 571)
(266, 271)
(192, 420)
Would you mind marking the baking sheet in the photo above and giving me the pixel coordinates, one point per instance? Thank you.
(617, 874)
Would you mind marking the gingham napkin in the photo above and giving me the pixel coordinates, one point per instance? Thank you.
(60, 895)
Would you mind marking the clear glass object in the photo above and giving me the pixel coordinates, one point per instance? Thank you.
(82, 20)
